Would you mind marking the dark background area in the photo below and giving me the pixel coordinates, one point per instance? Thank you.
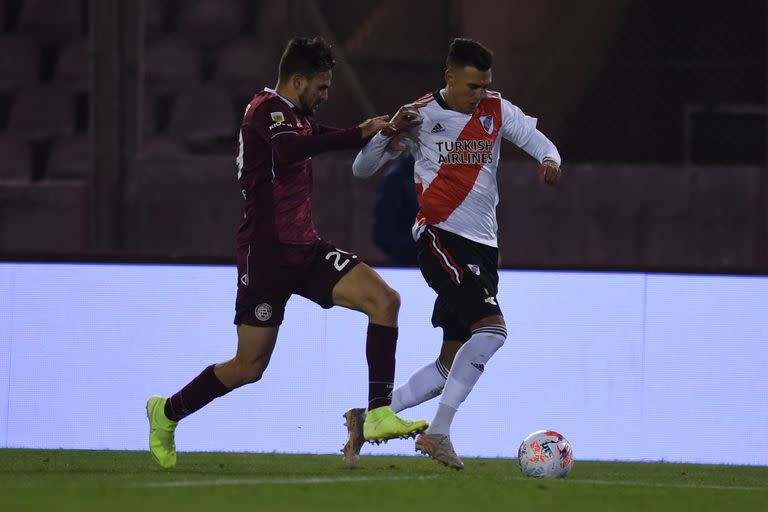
(118, 142)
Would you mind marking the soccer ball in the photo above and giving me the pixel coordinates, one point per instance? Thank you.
(545, 454)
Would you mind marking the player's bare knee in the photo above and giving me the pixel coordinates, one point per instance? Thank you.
(389, 302)
(253, 375)
(388, 307)
(382, 305)
(250, 371)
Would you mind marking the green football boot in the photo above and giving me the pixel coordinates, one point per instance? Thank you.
(382, 424)
(161, 433)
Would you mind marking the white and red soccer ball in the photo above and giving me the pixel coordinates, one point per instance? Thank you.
(545, 454)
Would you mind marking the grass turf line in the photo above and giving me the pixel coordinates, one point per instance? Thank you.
(66, 480)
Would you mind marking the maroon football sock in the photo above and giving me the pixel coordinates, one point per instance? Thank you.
(380, 352)
(195, 395)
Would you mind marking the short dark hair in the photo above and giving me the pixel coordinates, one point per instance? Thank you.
(306, 57)
(467, 52)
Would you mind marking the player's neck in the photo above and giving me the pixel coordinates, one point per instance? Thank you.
(448, 97)
(286, 93)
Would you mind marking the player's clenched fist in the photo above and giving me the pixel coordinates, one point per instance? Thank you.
(549, 172)
(405, 118)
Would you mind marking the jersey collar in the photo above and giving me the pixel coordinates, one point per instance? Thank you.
(273, 91)
(438, 95)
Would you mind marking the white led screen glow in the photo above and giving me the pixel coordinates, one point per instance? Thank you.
(628, 366)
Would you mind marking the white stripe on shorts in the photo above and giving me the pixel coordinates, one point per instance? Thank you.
(443, 256)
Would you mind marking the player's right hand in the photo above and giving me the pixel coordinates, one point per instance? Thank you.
(374, 125)
(405, 118)
(549, 172)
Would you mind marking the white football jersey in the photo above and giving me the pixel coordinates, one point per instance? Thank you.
(456, 162)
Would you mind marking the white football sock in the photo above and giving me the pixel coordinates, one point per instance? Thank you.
(468, 365)
(423, 385)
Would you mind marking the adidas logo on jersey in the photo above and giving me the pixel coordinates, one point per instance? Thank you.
(479, 366)
(437, 128)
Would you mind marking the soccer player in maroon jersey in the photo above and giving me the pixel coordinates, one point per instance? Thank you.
(279, 252)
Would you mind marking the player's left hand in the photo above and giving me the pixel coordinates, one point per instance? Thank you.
(549, 172)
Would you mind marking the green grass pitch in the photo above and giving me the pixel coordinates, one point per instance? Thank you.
(112, 481)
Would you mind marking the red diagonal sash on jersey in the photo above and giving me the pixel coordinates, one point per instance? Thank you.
(454, 181)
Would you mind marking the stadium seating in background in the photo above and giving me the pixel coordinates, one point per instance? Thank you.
(607, 213)
(73, 67)
(209, 23)
(661, 197)
(16, 164)
(245, 67)
(42, 113)
(625, 215)
(18, 63)
(162, 149)
(171, 65)
(155, 12)
(342, 205)
(70, 159)
(536, 220)
(203, 118)
(49, 218)
(185, 207)
(53, 22)
(157, 113)
(725, 204)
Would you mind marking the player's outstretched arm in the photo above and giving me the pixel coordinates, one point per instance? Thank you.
(388, 143)
(374, 156)
(289, 146)
(292, 147)
(381, 150)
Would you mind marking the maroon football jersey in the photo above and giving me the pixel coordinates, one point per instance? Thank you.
(274, 169)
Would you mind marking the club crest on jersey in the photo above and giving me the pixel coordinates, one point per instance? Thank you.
(487, 122)
(474, 268)
(277, 117)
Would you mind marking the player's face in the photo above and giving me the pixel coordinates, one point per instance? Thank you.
(467, 87)
(315, 92)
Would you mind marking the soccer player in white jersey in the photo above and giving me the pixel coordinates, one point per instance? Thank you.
(456, 150)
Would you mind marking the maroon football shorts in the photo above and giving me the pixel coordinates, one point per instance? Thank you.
(266, 280)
